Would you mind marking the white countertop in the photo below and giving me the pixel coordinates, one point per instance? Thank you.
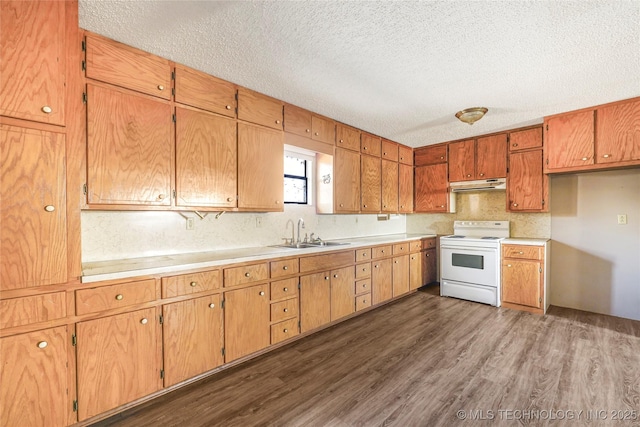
(175, 263)
(524, 241)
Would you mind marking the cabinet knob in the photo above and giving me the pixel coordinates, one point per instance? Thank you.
(341, 205)
(261, 293)
(515, 205)
(364, 269)
(521, 253)
(442, 206)
(316, 133)
(229, 199)
(441, 157)
(428, 255)
(413, 257)
(144, 321)
(364, 285)
(49, 208)
(375, 266)
(395, 262)
(247, 274)
(326, 277)
(307, 130)
(285, 330)
(384, 206)
(606, 156)
(193, 284)
(514, 145)
(161, 196)
(364, 148)
(285, 310)
(285, 268)
(401, 158)
(401, 206)
(481, 174)
(285, 289)
(43, 344)
(468, 175)
(277, 202)
(335, 276)
(508, 265)
(364, 301)
(47, 110)
(341, 141)
(384, 154)
(228, 107)
(584, 159)
(119, 297)
(160, 87)
(382, 251)
(212, 305)
(277, 122)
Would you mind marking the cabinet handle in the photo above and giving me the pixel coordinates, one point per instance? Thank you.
(161, 196)
(160, 87)
(584, 159)
(481, 174)
(144, 321)
(285, 310)
(335, 276)
(375, 266)
(228, 107)
(508, 265)
(212, 305)
(316, 134)
(521, 253)
(428, 255)
(364, 148)
(395, 262)
(285, 289)
(442, 206)
(277, 202)
(364, 269)
(285, 330)
(441, 157)
(341, 141)
(384, 154)
(49, 208)
(247, 274)
(43, 344)
(382, 251)
(401, 206)
(515, 205)
(285, 268)
(606, 156)
(193, 284)
(119, 297)
(46, 109)
(341, 205)
(261, 293)
(384, 206)
(229, 199)
(326, 277)
(307, 130)
(468, 175)
(401, 158)
(514, 145)
(364, 285)
(413, 257)
(277, 122)
(364, 301)
(364, 206)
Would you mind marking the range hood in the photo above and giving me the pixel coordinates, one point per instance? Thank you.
(480, 185)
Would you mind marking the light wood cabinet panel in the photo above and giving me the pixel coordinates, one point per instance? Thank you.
(400, 275)
(363, 270)
(260, 168)
(370, 144)
(315, 300)
(363, 254)
(259, 109)
(192, 338)
(401, 248)
(297, 120)
(525, 139)
(389, 186)
(33, 65)
(33, 374)
(284, 330)
(129, 148)
(415, 271)
(428, 243)
(33, 208)
(342, 293)
(382, 280)
(201, 90)
(389, 150)
(363, 301)
(429, 266)
(284, 289)
(347, 137)
(116, 63)
(246, 321)
(569, 140)
(405, 188)
(206, 159)
(32, 309)
(347, 181)
(431, 188)
(235, 276)
(430, 155)
(491, 157)
(118, 360)
(362, 286)
(186, 284)
(381, 252)
(285, 267)
(522, 282)
(323, 130)
(527, 187)
(522, 251)
(618, 132)
(405, 155)
(327, 261)
(282, 310)
(370, 183)
(103, 298)
(462, 160)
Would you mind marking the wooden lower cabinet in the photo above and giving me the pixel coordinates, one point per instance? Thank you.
(429, 266)
(523, 277)
(246, 321)
(315, 300)
(400, 275)
(118, 360)
(342, 292)
(415, 271)
(33, 374)
(381, 280)
(192, 337)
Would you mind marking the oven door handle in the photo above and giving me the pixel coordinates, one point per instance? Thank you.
(468, 249)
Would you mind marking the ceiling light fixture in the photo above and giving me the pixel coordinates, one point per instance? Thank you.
(471, 115)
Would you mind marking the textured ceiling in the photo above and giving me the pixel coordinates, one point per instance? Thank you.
(398, 69)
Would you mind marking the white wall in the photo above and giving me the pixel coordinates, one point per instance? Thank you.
(595, 262)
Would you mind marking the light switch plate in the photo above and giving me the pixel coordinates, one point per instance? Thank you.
(622, 219)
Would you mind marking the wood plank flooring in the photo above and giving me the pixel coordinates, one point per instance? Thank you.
(417, 362)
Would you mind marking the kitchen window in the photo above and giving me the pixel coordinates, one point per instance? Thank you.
(298, 174)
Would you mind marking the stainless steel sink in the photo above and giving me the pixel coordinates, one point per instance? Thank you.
(306, 245)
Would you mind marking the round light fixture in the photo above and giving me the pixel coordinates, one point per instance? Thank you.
(471, 115)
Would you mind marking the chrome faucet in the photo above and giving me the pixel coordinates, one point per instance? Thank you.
(300, 223)
(293, 231)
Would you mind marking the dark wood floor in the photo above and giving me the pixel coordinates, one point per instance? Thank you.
(418, 362)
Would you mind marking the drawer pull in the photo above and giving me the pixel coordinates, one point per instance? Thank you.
(521, 253)
(364, 301)
(341, 141)
(481, 174)
(468, 175)
(286, 310)
(285, 268)
(277, 122)
(261, 293)
(161, 196)
(515, 205)
(307, 130)
(285, 289)
(316, 134)
(193, 284)
(395, 262)
(364, 285)
(326, 277)
(335, 276)
(364, 206)
(212, 305)
(247, 274)
(342, 205)
(43, 344)
(144, 321)
(364, 269)
(514, 145)
(228, 107)
(428, 255)
(47, 110)
(584, 159)
(508, 265)
(229, 199)
(160, 87)
(606, 156)
(285, 330)
(364, 254)
(413, 257)
(119, 297)
(375, 266)
(49, 208)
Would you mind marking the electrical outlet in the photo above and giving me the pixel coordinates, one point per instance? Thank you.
(190, 223)
(258, 222)
(622, 219)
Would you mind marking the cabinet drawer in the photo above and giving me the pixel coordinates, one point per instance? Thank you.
(429, 243)
(284, 330)
(326, 262)
(363, 254)
(381, 252)
(282, 289)
(363, 301)
(284, 267)
(190, 283)
(201, 90)
(114, 296)
(284, 309)
(363, 287)
(405, 155)
(363, 270)
(522, 252)
(33, 309)
(415, 246)
(259, 109)
(401, 248)
(246, 274)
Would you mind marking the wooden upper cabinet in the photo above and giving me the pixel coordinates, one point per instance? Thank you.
(618, 132)
(405, 155)
(347, 181)
(260, 168)
(347, 137)
(462, 160)
(206, 159)
(389, 150)
(405, 188)
(430, 155)
(260, 109)
(527, 187)
(33, 208)
(121, 65)
(129, 148)
(370, 184)
(33, 65)
(323, 129)
(389, 186)
(525, 139)
(431, 188)
(246, 321)
(370, 144)
(569, 140)
(201, 90)
(491, 157)
(297, 120)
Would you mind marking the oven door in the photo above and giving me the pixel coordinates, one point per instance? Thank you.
(470, 265)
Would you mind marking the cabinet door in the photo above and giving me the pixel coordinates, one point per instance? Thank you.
(389, 150)
(33, 208)
(429, 266)
(405, 155)
(430, 155)
(522, 282)
(618, 132)
(342, 292)
(118, 360)
(431, 188)
(259, 109)
(323, 130)
(201, 90)
(347, 181)
(382, 280)
(315, 301)
(297, 120)
(347, 137)
(370, 181)
(400, 275)
(415, 271)
(462, 160)
(206, 159)
(246, 321)
(569, 140)
(129, 148)
(405, 188)
(33, 66)
(389, 186)
(33, 374)
(192, 338)
(491, 159)
(370, 144)
(260, 168)
(527, 186)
